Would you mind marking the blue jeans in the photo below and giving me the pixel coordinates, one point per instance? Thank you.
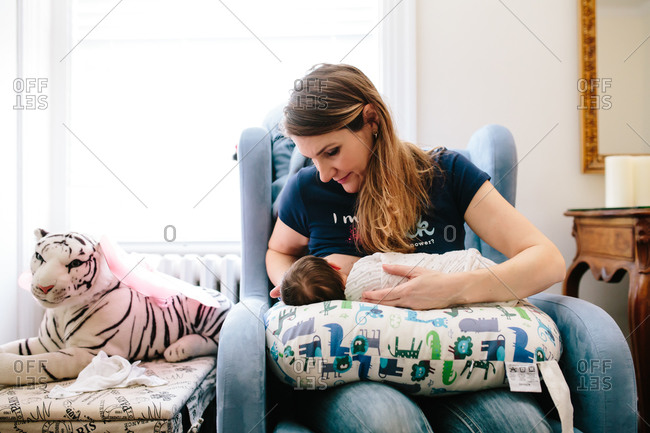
(369, 407)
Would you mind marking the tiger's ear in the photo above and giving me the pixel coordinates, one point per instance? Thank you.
(39, 233)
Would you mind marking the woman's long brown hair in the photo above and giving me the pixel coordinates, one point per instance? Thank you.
(395, 190)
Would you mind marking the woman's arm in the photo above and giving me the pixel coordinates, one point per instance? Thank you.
(285, 246)
(534, 262)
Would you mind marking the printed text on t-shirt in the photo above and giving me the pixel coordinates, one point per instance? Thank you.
(347, 219)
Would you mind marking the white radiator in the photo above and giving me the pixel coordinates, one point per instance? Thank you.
(221, 273)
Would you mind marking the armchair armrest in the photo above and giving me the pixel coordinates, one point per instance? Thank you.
(254, 155)
(241, 360)
(596, 362)
(241, 372)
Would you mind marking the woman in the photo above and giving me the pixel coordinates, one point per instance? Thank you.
(369, 192)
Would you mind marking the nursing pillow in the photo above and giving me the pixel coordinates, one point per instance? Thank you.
(420, 352)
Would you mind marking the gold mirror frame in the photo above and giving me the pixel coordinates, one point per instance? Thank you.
(592, 160)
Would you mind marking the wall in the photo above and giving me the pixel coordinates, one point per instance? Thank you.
(515, 63)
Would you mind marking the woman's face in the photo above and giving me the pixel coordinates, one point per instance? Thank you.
(341, 155)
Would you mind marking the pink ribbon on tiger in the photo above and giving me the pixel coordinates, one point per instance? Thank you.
(140, 276)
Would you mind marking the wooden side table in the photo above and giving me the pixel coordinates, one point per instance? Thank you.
(611, 242)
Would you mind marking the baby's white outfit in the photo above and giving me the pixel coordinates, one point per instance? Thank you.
(367, 272)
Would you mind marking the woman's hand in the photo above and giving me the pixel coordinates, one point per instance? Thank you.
(424, 290)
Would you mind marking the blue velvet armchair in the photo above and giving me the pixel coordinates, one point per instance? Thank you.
(596, 361)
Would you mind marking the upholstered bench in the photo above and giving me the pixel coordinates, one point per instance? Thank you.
(178, 406)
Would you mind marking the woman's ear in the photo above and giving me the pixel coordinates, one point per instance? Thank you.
(370, 115)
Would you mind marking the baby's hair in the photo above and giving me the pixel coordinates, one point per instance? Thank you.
(311, 279)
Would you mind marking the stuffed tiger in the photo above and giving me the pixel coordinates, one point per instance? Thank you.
(88, 309)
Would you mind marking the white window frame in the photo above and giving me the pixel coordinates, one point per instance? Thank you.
(399, 64)
(40, 33)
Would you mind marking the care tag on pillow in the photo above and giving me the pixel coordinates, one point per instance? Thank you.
(523, 377)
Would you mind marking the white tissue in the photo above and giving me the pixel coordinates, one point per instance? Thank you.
(106, 372)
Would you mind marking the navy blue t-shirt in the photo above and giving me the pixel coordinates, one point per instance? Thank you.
(324, 212)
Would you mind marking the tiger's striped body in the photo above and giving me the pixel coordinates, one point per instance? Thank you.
(88, 309)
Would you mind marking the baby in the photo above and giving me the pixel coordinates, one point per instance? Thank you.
(314, 279)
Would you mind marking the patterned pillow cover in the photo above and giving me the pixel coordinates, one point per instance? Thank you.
(420, 352)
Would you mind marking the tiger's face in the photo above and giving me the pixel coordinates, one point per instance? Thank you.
(64, 268)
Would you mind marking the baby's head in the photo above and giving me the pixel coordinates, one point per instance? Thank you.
(311, 279)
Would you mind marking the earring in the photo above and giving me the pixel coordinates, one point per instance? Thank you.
(375, 134)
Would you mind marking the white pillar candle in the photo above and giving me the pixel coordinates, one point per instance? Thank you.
(619, 181)
(642, 181)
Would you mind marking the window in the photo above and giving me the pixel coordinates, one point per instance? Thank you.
(161, 90)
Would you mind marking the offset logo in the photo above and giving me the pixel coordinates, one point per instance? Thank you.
(593, 375)
(589, 99)
(314, 97)
(30, 93)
